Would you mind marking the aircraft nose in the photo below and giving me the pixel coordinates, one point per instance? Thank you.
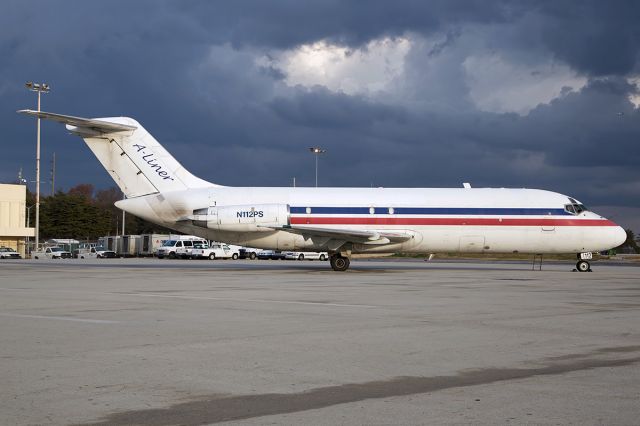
(618, 236)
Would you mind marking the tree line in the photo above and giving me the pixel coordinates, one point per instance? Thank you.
(631, 243)
(85, 214)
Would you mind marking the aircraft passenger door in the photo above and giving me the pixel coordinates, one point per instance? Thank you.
(212, 214)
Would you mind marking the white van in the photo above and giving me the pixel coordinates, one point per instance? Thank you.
(179, 248)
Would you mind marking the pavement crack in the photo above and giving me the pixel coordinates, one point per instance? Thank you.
(215, 409)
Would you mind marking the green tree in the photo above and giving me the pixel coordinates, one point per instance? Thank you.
(84, 213)
(72, 216)
(630, 242)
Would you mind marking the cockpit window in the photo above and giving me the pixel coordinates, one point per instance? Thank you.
(575, 207)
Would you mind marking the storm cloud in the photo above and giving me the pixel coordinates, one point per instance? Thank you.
(536, 94)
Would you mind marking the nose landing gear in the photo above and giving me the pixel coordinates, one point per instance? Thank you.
(583, 264)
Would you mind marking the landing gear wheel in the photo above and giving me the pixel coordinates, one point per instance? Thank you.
(212, 256)
(339, 263)
(583, 266)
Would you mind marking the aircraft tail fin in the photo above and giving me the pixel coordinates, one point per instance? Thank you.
(136, 161)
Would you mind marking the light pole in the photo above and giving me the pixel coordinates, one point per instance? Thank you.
(28, 222)
(28, 214)
(124, 197)
(316, 150)
(40, 88)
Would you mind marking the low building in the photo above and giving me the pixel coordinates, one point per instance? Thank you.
(13, 227)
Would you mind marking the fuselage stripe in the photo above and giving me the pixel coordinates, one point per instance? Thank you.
(487, 211)
(449, 221)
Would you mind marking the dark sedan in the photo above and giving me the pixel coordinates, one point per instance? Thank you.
(271, 254)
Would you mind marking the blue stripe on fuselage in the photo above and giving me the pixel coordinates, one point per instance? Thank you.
(435, 211)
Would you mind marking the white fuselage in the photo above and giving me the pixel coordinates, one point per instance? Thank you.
(338, 220)
(496, 220)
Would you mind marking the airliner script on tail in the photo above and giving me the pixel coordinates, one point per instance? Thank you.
(341, 221)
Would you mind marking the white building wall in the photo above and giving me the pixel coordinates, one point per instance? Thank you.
(13, 230)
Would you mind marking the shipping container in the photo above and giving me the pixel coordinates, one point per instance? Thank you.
(131, 245)
(151, 243)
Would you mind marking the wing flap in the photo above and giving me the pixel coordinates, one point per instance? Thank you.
(360, 236)
(100, 126)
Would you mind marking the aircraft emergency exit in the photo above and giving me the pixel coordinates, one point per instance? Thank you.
(341, 221)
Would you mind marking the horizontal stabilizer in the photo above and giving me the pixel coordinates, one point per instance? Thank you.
(97, 125)
(135, 160)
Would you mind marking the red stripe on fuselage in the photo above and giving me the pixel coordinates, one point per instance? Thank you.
(448, 221)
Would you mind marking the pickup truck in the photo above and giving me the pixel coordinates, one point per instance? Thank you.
(215, 251)
(51, 253)
(95, 253)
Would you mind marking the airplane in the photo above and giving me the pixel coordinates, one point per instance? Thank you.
(340, 221)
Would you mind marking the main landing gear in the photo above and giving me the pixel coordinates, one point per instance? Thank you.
(338, 262)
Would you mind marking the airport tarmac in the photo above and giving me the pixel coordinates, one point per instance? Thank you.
(162, 342)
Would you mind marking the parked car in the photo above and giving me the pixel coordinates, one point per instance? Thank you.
(248, 253)
(306, 255)
(215, 251)
(270, 254)
(9, 253)
(51, 253)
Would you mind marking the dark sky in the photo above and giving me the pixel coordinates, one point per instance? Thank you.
(538, 94)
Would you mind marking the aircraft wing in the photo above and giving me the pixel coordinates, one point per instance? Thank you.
(100, 126)
(334, 238)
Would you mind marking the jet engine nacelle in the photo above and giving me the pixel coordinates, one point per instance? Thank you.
(242, 218)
